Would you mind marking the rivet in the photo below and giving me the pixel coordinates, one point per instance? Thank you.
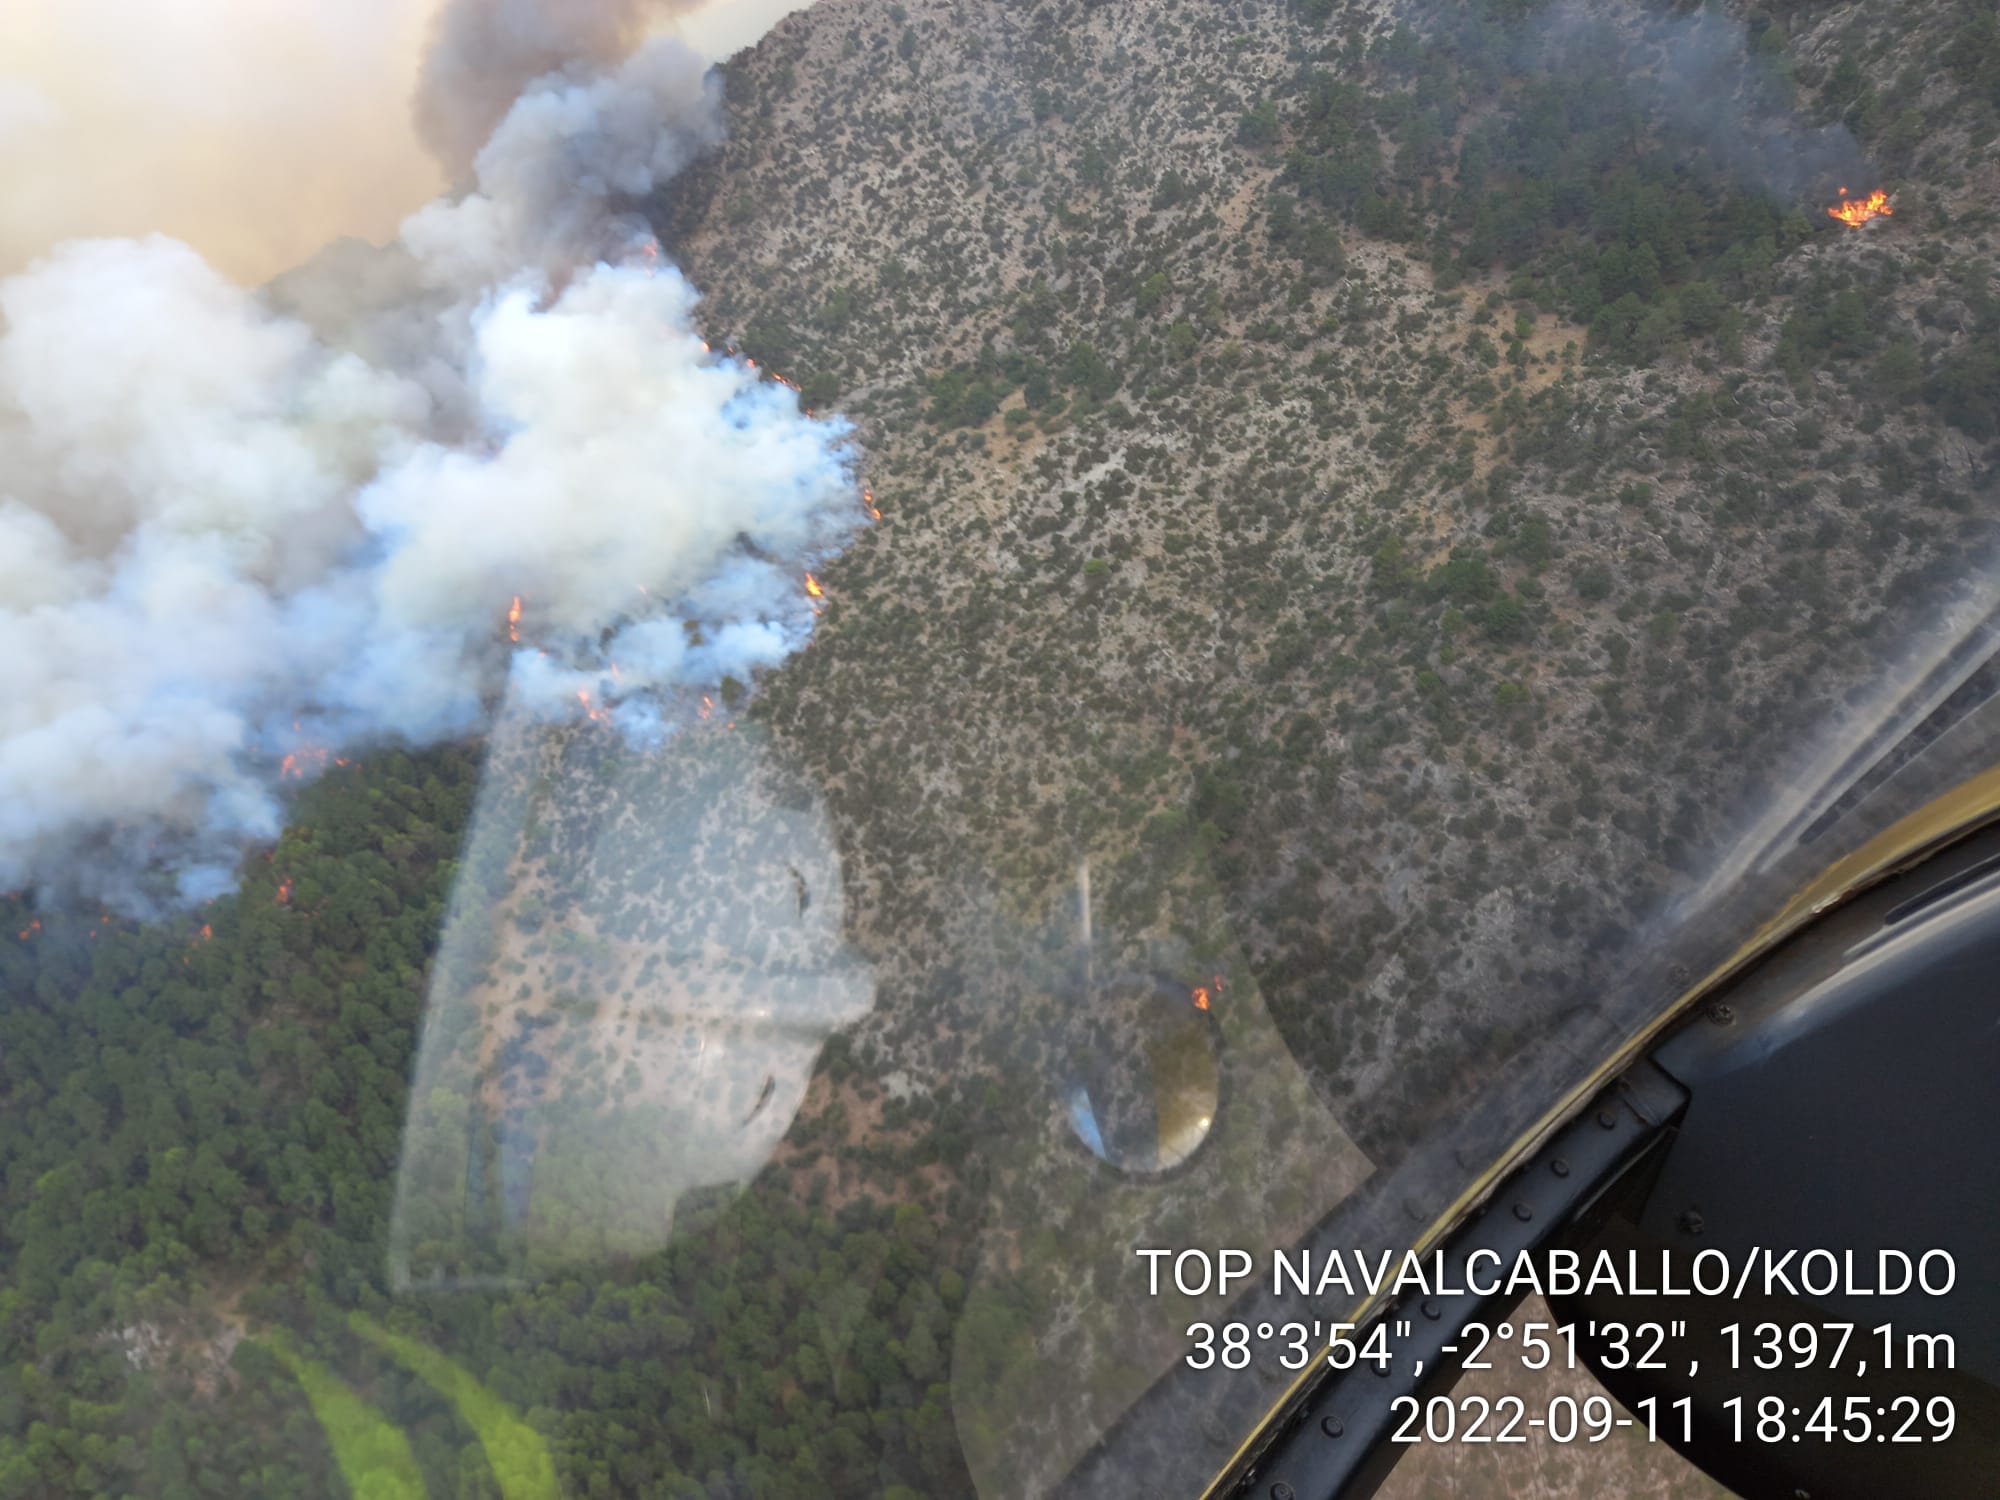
(1560, 1167)
(1721, 1014)
(1523, 1212)
(1606, 1118)
(1332, 1426)
(1432, 1310)
(1692, 1222)
(1282, 1491)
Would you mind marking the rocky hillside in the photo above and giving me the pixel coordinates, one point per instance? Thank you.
(1420, 466)
(1392, 488)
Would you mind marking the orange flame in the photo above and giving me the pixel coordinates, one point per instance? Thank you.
(207, 932)
(813, 588)
(868, 499)
(31, 929)
(285, 891)
(1854, 212)
(514, 621)
(1201, 997)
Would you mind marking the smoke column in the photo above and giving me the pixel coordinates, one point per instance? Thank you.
(1702, 79)
(243, 533)
(483, 53)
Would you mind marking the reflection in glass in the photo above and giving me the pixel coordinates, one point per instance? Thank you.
(1143, 1095)
(1173, 1115)
(643, 959)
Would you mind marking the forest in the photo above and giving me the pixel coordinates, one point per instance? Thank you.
(204, 1118)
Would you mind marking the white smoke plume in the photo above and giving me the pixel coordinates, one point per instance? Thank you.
(243, 533)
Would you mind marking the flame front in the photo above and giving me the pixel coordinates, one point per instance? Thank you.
(514, 621)
(813, 588)
(1201, 997)
(305, 762)
(1854, 212)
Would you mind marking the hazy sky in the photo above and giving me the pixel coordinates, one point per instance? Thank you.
(256, 130)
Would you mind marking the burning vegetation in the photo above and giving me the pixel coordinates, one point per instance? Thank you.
(1854, 212)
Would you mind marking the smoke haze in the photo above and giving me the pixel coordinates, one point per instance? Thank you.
(254, 131)
(1707, 83)
(241, 533)
(258, 132)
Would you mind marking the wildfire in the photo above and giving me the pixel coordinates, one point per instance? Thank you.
(1854, 212)
(868, 499)
(1201, 997)
(514, 621)
(307, 760)
(31, 929)
(813, 588)
(590, 711)
(207, 932)
(303, 763)
(284, 897)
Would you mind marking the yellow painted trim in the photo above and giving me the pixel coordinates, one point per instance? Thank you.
(1942, 821)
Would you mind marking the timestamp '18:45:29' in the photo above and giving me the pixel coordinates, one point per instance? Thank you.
(1852, 1419)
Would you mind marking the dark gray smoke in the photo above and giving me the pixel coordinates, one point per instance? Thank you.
(1705, 85)
(484, 53)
